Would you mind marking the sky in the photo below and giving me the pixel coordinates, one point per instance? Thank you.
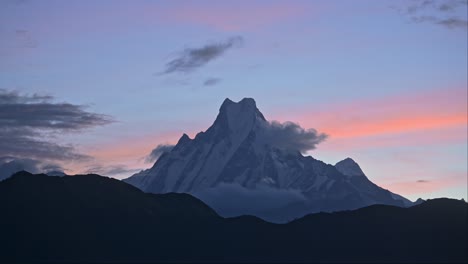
(95, 86)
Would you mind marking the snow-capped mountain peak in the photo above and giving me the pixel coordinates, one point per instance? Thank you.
(239, 116)
(349, 167)
(237, 159)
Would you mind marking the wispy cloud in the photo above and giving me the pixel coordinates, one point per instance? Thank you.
(426, 187)
(418, 112)
(157, 152)
(27, 142)
(29, 122)
(422, 181)
(453, 22)
(111, 170)
(10, 165)
(39, 112)
(211, 81)
(193, 58)
(448, 13)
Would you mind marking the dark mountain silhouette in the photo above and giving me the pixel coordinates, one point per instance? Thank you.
(89, 218)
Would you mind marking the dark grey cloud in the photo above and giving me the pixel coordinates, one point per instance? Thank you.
(291, 136)
(211, 81)
(157, 152)
(13, 97)
(450, 6)
(39, 112)
(247, 201)
(453, 22)
(448, 13)
(26, 142)
(447, 6)
(30, 123)
(10, 165)
(192, 58)
(422, 181)
(447, 22)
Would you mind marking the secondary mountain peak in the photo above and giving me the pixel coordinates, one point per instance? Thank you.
(349, 167)
(184, 138)
(419, 201)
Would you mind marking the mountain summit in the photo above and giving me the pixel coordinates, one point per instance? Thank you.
(349, 167)
(243, 164)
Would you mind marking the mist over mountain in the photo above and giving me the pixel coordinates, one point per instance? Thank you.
(259, 164)
(91, 219)
(10, 165)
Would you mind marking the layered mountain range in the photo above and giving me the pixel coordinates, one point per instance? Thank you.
(95, 219)
(238, 163)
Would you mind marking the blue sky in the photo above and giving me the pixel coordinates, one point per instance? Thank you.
(301, 61)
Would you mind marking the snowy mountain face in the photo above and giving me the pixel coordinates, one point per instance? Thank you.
(350, 168)
(236, 168)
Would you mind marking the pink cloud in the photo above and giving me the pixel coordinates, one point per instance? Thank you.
(418, 118)
(441, 136)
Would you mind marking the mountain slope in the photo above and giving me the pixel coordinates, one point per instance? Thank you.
(88, 218)
(242, 151)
